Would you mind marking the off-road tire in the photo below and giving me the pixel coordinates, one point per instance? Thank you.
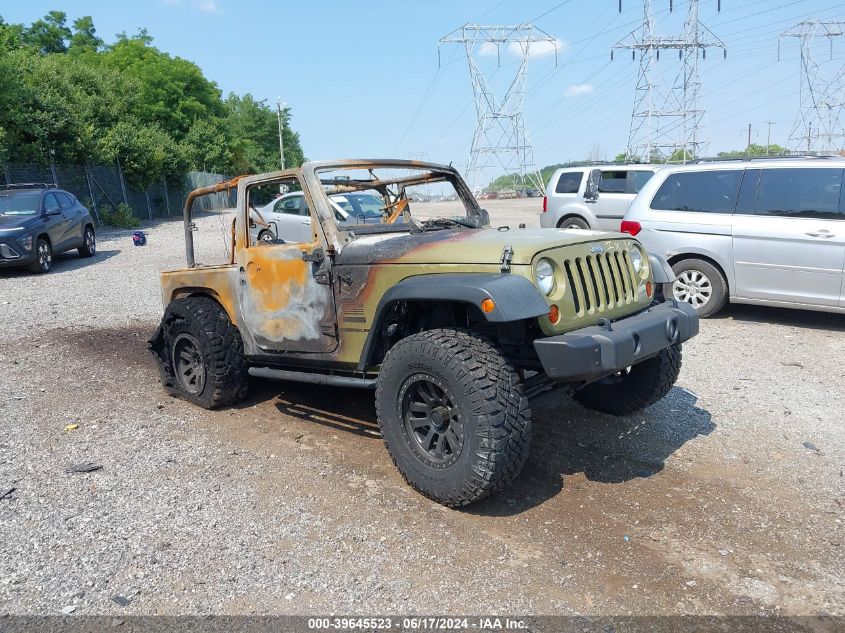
(89, 243)
(221, 350)
(487, 394)
(43, 263)
(573, 222)
(718, 283)
(645, 383)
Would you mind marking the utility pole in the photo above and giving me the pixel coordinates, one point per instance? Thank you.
(500, 132)
(769, 136)
(749, 136)
(666, 117)
(279, 105)
(821, 102)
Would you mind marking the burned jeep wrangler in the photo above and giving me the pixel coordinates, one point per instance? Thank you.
(406, 289)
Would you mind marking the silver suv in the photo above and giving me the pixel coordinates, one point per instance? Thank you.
(768, 232)
(593, 196)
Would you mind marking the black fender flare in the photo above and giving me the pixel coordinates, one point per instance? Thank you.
(515, 298)
(660, 269)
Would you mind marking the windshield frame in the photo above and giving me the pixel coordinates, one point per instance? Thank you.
(428, 173)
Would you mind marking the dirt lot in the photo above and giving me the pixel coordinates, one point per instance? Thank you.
(726, 497)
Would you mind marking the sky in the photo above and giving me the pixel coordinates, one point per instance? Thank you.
(363, 78)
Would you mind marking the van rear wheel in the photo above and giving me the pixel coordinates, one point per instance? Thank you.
(700, 284)
(573, 222)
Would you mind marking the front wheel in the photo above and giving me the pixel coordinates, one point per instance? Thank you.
(43, 257)
(453, 415)
(200, 353)
(635, 388)
(89, 243)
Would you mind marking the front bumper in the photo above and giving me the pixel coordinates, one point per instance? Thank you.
(13, 254)
(601, 350)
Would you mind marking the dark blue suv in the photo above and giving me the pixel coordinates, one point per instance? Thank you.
(38, 221)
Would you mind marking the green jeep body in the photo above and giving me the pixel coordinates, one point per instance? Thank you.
(424, 302)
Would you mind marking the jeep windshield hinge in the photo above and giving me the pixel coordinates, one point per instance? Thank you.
(507, 256)
(315, 257)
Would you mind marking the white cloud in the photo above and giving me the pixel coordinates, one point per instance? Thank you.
(208, 6)
(538, 49)
(488, 49)
(576, 90)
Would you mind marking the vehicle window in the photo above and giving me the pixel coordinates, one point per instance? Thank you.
(800, 193)
(700, 191)
(19, 203)
(264, 199)
(640, 178)
(290, 205)
(365, 206)
(64, 199)
(51, 202)
(747, 200)
(613, 181)
(569, 182)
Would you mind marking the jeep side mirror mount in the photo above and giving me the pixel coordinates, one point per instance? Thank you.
(483, 217)
(591, 190)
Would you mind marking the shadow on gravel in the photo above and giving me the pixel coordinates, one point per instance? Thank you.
(62, 263)
(569, 439)
(350, 410)
(783, 316)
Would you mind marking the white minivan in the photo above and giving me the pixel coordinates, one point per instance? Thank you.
(592, 196)
(768, 231)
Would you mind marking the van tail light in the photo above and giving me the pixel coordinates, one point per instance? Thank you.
(629, 226)
(545, 204)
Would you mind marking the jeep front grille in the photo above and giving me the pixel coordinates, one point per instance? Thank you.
(602, 281)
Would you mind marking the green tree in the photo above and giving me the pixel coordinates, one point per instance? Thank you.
(172, 92)
(254, 129)
(755, 150)
(206, 146)
(11, 36)
(84, 36)
(65, 96)
(146, 153)
(50, 34)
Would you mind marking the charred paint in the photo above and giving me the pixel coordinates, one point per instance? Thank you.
(286, 305)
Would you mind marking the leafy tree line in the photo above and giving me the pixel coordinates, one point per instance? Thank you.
(67, 95)
(514, 181)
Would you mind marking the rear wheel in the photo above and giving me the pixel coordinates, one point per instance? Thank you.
(635, 388)
(200, 353)
(700, 284)
(453, 415)
(43, 257)
(573, 222)
(89, 243)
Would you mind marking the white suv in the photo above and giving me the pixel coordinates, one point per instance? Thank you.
(593, 196)
(769, 232)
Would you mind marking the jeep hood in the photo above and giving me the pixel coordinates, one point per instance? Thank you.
(463, 246)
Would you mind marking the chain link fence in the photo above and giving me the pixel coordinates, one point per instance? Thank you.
(105, 187)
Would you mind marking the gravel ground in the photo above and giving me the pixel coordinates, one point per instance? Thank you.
(725, 498)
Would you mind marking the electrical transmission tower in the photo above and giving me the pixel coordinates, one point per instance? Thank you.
(500, 138)
(666, 119)
(818, 128)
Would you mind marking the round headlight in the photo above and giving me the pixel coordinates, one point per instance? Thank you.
(544, 273)
(636, 259)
